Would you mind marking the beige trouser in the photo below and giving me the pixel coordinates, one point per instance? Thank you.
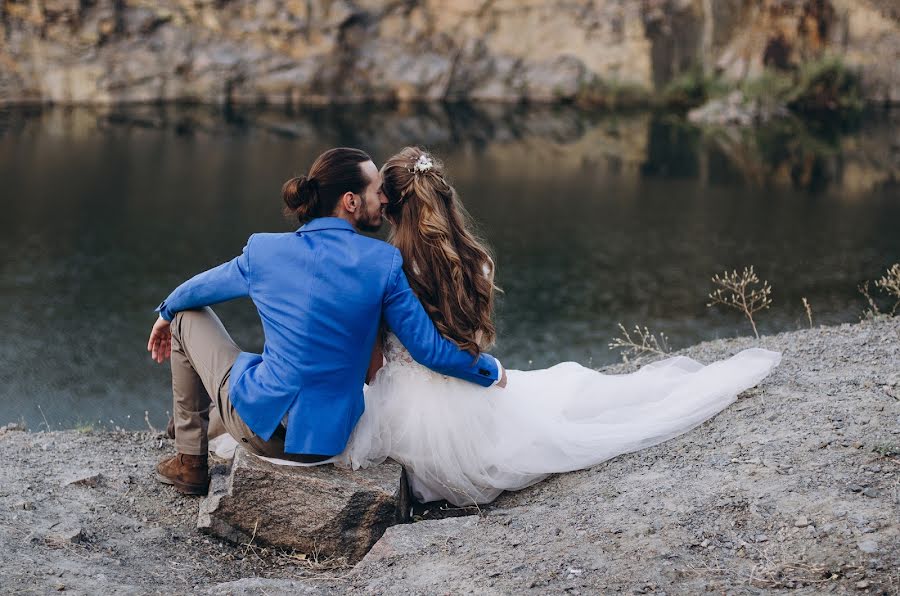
(202, 356)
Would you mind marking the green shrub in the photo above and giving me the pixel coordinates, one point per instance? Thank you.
(824, 85)
(692, 88)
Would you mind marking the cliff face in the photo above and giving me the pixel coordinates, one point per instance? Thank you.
(308, 51)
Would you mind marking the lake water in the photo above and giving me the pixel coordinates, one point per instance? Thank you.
(595, 219)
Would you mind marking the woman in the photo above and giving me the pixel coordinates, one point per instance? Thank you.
(466, 446)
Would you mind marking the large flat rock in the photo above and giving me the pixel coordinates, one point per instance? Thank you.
(325, 511)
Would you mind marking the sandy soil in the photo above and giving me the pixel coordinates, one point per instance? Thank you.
(794, 487)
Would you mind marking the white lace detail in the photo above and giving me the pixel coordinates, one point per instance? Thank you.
(395, 351)
(396, 355)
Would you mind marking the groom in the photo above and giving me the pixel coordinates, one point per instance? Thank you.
(321, 293)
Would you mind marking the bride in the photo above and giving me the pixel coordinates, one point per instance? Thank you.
(461, 443)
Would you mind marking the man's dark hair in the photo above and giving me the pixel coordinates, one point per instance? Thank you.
(334, 173)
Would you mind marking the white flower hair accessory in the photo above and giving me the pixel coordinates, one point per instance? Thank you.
(423, 164)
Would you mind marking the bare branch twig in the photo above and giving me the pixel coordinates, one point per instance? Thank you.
(737, 291)
(642, 344)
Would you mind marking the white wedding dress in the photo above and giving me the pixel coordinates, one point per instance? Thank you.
(467, 444)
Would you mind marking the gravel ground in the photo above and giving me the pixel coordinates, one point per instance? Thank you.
(795, 487)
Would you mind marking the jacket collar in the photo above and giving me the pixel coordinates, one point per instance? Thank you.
(326, 223)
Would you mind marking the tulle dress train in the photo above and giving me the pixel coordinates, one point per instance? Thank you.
(467, 444)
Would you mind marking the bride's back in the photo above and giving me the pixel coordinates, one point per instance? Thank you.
(449, 268)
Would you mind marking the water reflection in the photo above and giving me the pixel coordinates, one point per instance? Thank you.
(595, 219)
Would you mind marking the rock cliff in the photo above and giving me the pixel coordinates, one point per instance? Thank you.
(315, 51)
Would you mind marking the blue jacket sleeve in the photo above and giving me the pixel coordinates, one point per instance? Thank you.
(407, 318)
(225, 282)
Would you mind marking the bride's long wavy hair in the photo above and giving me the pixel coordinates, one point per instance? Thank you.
(449, 268)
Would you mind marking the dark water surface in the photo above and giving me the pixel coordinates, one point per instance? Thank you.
(595, 219)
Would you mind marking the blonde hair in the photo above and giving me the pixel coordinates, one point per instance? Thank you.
(449, 268)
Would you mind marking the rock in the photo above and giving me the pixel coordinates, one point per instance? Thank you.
(868, 546)
(70, 535)
(870, 492)
(736, 109)
(801, 522)
(331, 511)
(89, 479)
(410, 539)
(862, 585)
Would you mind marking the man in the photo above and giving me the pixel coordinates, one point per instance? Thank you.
(321, 293)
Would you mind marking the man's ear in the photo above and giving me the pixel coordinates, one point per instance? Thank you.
(349, 202)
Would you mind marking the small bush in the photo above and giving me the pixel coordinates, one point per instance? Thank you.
(692, 88)
(826, 85)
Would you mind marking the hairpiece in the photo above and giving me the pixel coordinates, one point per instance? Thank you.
(423, 164)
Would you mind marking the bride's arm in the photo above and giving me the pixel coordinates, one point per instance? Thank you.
(377, 360)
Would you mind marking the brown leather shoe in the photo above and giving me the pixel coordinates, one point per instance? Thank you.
(189, 474)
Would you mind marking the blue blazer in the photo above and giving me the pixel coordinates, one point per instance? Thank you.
(321, 293)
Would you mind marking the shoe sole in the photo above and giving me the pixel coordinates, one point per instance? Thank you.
(184, 487)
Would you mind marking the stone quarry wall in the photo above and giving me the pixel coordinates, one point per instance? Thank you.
(315, 51)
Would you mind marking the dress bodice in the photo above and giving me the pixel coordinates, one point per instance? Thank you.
(395, 351)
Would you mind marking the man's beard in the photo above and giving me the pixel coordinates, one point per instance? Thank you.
(367, 224)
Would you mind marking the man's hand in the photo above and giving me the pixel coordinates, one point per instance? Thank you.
(160, 342)
(502, 382)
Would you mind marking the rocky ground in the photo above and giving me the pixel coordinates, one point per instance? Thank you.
(794, 487)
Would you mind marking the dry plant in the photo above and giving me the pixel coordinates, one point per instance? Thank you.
(808, 309)
(152, 428)
(313, 562)
(643, 343)
(873, 310)
(774, 572)
(890, 285)
(738, 291)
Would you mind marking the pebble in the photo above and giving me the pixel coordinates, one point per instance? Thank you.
(868, 546)
(91, 480)
(862, 585)
(870, 492)
(801, 522)
(762, 538)
(855, 488)
(67, 536)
